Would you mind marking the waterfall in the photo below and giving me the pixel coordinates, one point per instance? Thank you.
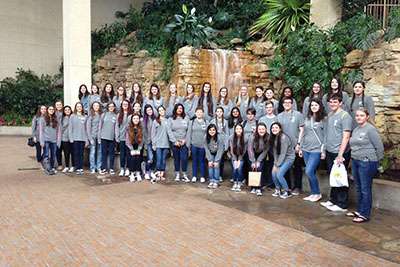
(226, 70)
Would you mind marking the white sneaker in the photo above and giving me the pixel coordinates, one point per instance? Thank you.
(220, 179)
(65, 170)
(177, 179)
(202, 180)
(153, 176)
(121, 173)
(138, 178)
(315, 198)
(131, 178)
(93, 171)
(307, 198)
(253, 191)
(54, 170)
(194, 179)
(210, 185)
(277, 193)
(185, 178)
(239, 187)
(102, 172)
(215, 185)
(59, 168)
(234, 187)
(71, 170)
(326, 204)
(127, 173)
(258, 192)
(147, 176)
(112, 172)
(336, 208)
(285, 195)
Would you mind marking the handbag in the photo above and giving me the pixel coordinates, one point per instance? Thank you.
(31, 143)
(255, 179)
(338, 176)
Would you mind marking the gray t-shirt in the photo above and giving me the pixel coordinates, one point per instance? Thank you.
(249, 128)
(326, 103)
(223, 130)
(291, 123)
(159, 134)
(107, 126)
(268, 122)
(77, 128)
(177, 129)
(365, 142)
(190, 106)
(214, 148)
(173, 100)
(243, 107)
(206, 116)
(261, 150)
(313, 135)
(196, 133)
(259, 106)
(357, 104)
(287, 151)
(92, 126)
(336, 125)
(227, 109)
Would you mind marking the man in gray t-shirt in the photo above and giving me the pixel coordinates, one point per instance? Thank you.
(337, 136)
(293, 125)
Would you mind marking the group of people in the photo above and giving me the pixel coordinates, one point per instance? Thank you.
(257, 133)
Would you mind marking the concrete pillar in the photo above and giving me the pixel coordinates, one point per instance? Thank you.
(77, 48)
(326, 13)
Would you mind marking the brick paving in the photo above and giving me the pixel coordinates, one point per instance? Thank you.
(58, 220)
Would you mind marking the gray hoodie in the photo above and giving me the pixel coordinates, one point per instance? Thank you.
(365, 142)
(159, 134)
(196, 133)
(121, 128)
(227, 109)
(223, 130)
(155, 104)
(170, 106)
(190, 106)
(117, 101)
(108, 126)
(92, 126)
(313, 135)
(287, 151)
(259, 106)
(358, 103)
(206, 116)
(77, 128)
(91, 100)
(239, 157)
(215, 148)
(252, 151)
(177, 129)
(49, 133)
(243, 107)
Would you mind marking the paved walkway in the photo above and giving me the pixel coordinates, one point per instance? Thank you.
(71, 220)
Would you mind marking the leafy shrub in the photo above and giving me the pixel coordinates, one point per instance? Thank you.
(23, 94)
(393, 30)
(14, 119)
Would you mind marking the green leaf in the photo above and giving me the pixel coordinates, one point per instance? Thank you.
(184, 9)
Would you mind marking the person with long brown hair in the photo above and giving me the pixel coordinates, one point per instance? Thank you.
(360, 100)
(172, 99)
(259, 102)
(92, 126)
(50, 135)
(119, 97)
(66, 146)
(41, 112)
(316, 91)
(155, 100)
(159, 138)
(77, 133)
(122, 124)
(207, 102)
(107, 95)
(238, 149)
(224, 102)
(270, 96)
(336, 87)
(135, 141)
(83, 96)
(190, 101)
(93, 97)
(223, 132)
(214, 148)
(136, 94)
(147, 122)
(287, 92)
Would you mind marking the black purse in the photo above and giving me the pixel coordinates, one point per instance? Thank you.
(31, 143)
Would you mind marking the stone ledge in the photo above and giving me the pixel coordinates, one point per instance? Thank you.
(16, 130)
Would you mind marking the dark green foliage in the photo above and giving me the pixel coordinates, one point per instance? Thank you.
(106, 37)
(23, 94)
(313, 55)
(393, 30)
(352, 7)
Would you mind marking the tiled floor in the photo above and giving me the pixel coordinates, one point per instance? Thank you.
(70, 220)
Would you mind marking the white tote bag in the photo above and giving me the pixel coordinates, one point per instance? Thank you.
(338, 176)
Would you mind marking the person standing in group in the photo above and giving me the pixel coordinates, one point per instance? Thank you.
(336, 142)
(283, 152)
(238, 149)
(259, 102)
(106, 136)
(41, 112)
(134, 141)
(159, 138)
(137, 108)
(195, 139)
(172, 99)
(107, 95)
(122, 125)
(207, 102)
(59, 113)
(360, 100)
(224, 102)
(269, 116)
(155, 99)
(119, 97)
(287, 93)
(77, 133)
(269, 95)
(311, 146)
(223, 133)
(92, 126)
(249, 128)
(93, 97)
(190, 101)
(315, 92)
(366, 152)
(258, 147)
(148, 119)
(336, 87)
(178, 125)
(292, 123)
(83, 97)
(50, 135)
(66, 146)
(136, 95)
(214, 148)
(234, 118)
(243, 101)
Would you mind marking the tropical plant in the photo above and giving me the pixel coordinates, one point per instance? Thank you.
(188, 30)
(281, 17)
(393, 30)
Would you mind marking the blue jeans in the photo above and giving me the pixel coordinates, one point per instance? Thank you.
(278, 177)
(363, 174)
(150, 158)
(161, 158)
(124, 156)
(237, 173)
(312, 159)
(180, 157)
(214, 172)
(93, 165)
(79, 147)
(50, 147)
(107, 146)
(39, 156)
(198, 155)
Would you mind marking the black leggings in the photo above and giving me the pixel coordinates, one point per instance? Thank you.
(68, 149)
